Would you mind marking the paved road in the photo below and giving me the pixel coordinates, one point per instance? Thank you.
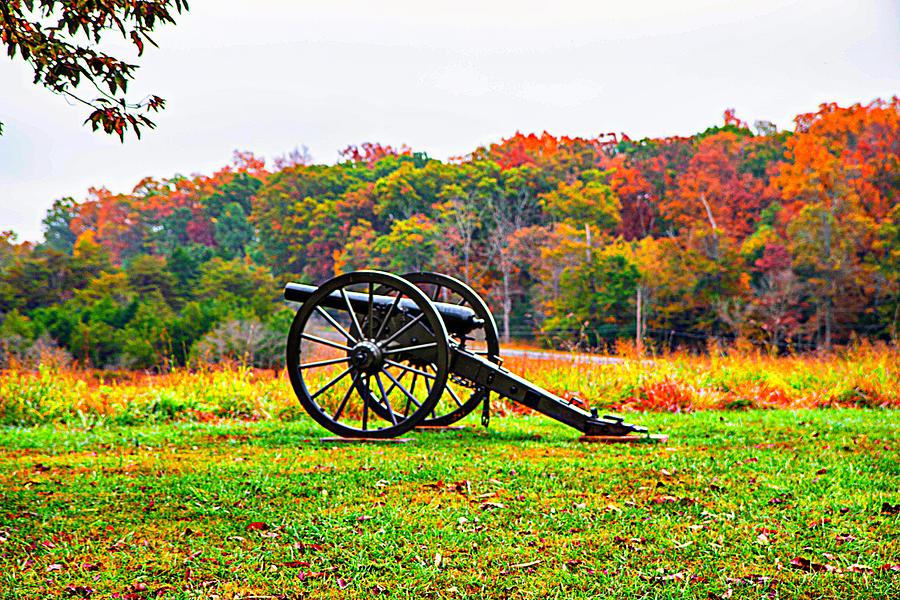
(566, 356)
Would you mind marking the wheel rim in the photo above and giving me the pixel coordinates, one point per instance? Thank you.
(348, 356)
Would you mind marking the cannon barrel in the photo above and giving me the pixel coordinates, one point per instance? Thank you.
(459, 320)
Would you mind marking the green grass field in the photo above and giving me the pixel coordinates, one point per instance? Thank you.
(752, 504)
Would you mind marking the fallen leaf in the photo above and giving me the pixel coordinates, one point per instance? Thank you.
(54, 567)
(780, 498)
(806, 565)
(890, 509)
(295, 564)
(257, 526)
(664, 499)
(342, 583)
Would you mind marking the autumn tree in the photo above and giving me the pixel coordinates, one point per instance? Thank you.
(514, 207)
(294, 211)
(588, 202)
(841, 180)
(596, 300)
(409, 246)
(645, 176)
(462, 207)
(56, 224)
(61, 41)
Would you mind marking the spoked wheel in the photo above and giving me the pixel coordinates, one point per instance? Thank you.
(354, 355)
(460, 397)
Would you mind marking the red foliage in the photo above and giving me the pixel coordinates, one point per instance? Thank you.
(370, 153)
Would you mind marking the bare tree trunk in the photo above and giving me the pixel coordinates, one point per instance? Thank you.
(507, 304)
(466, 255)
(713, 227)
(639, 338)
(509, 215)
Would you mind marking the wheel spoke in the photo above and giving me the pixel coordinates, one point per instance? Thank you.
(322, 363)
(323, 341)
(387, 317)
(391, 389)
(387, 403)
(402, 329)
(454, 396)
(411, 348)
(336, 325)
(410, 397)
(411, 369)
(340, 408)
(413, 394)
(331, 383)
(365, 397)
(352, 312)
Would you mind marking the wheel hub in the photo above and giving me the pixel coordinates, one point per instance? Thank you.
(366, 356)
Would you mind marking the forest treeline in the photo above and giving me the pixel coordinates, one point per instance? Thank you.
(787, 239)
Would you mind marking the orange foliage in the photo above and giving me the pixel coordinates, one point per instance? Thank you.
(852, 152)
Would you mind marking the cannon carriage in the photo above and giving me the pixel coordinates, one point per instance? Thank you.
(373, 355)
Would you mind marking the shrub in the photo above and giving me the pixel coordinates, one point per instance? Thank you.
(243, 342)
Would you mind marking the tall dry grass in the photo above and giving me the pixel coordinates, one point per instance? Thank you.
(865, 375)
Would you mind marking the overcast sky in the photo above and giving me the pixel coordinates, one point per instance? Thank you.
(443, 77)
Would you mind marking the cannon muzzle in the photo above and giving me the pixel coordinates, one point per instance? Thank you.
(459, 320)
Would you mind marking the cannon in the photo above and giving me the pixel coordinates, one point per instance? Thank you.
(373, 355)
